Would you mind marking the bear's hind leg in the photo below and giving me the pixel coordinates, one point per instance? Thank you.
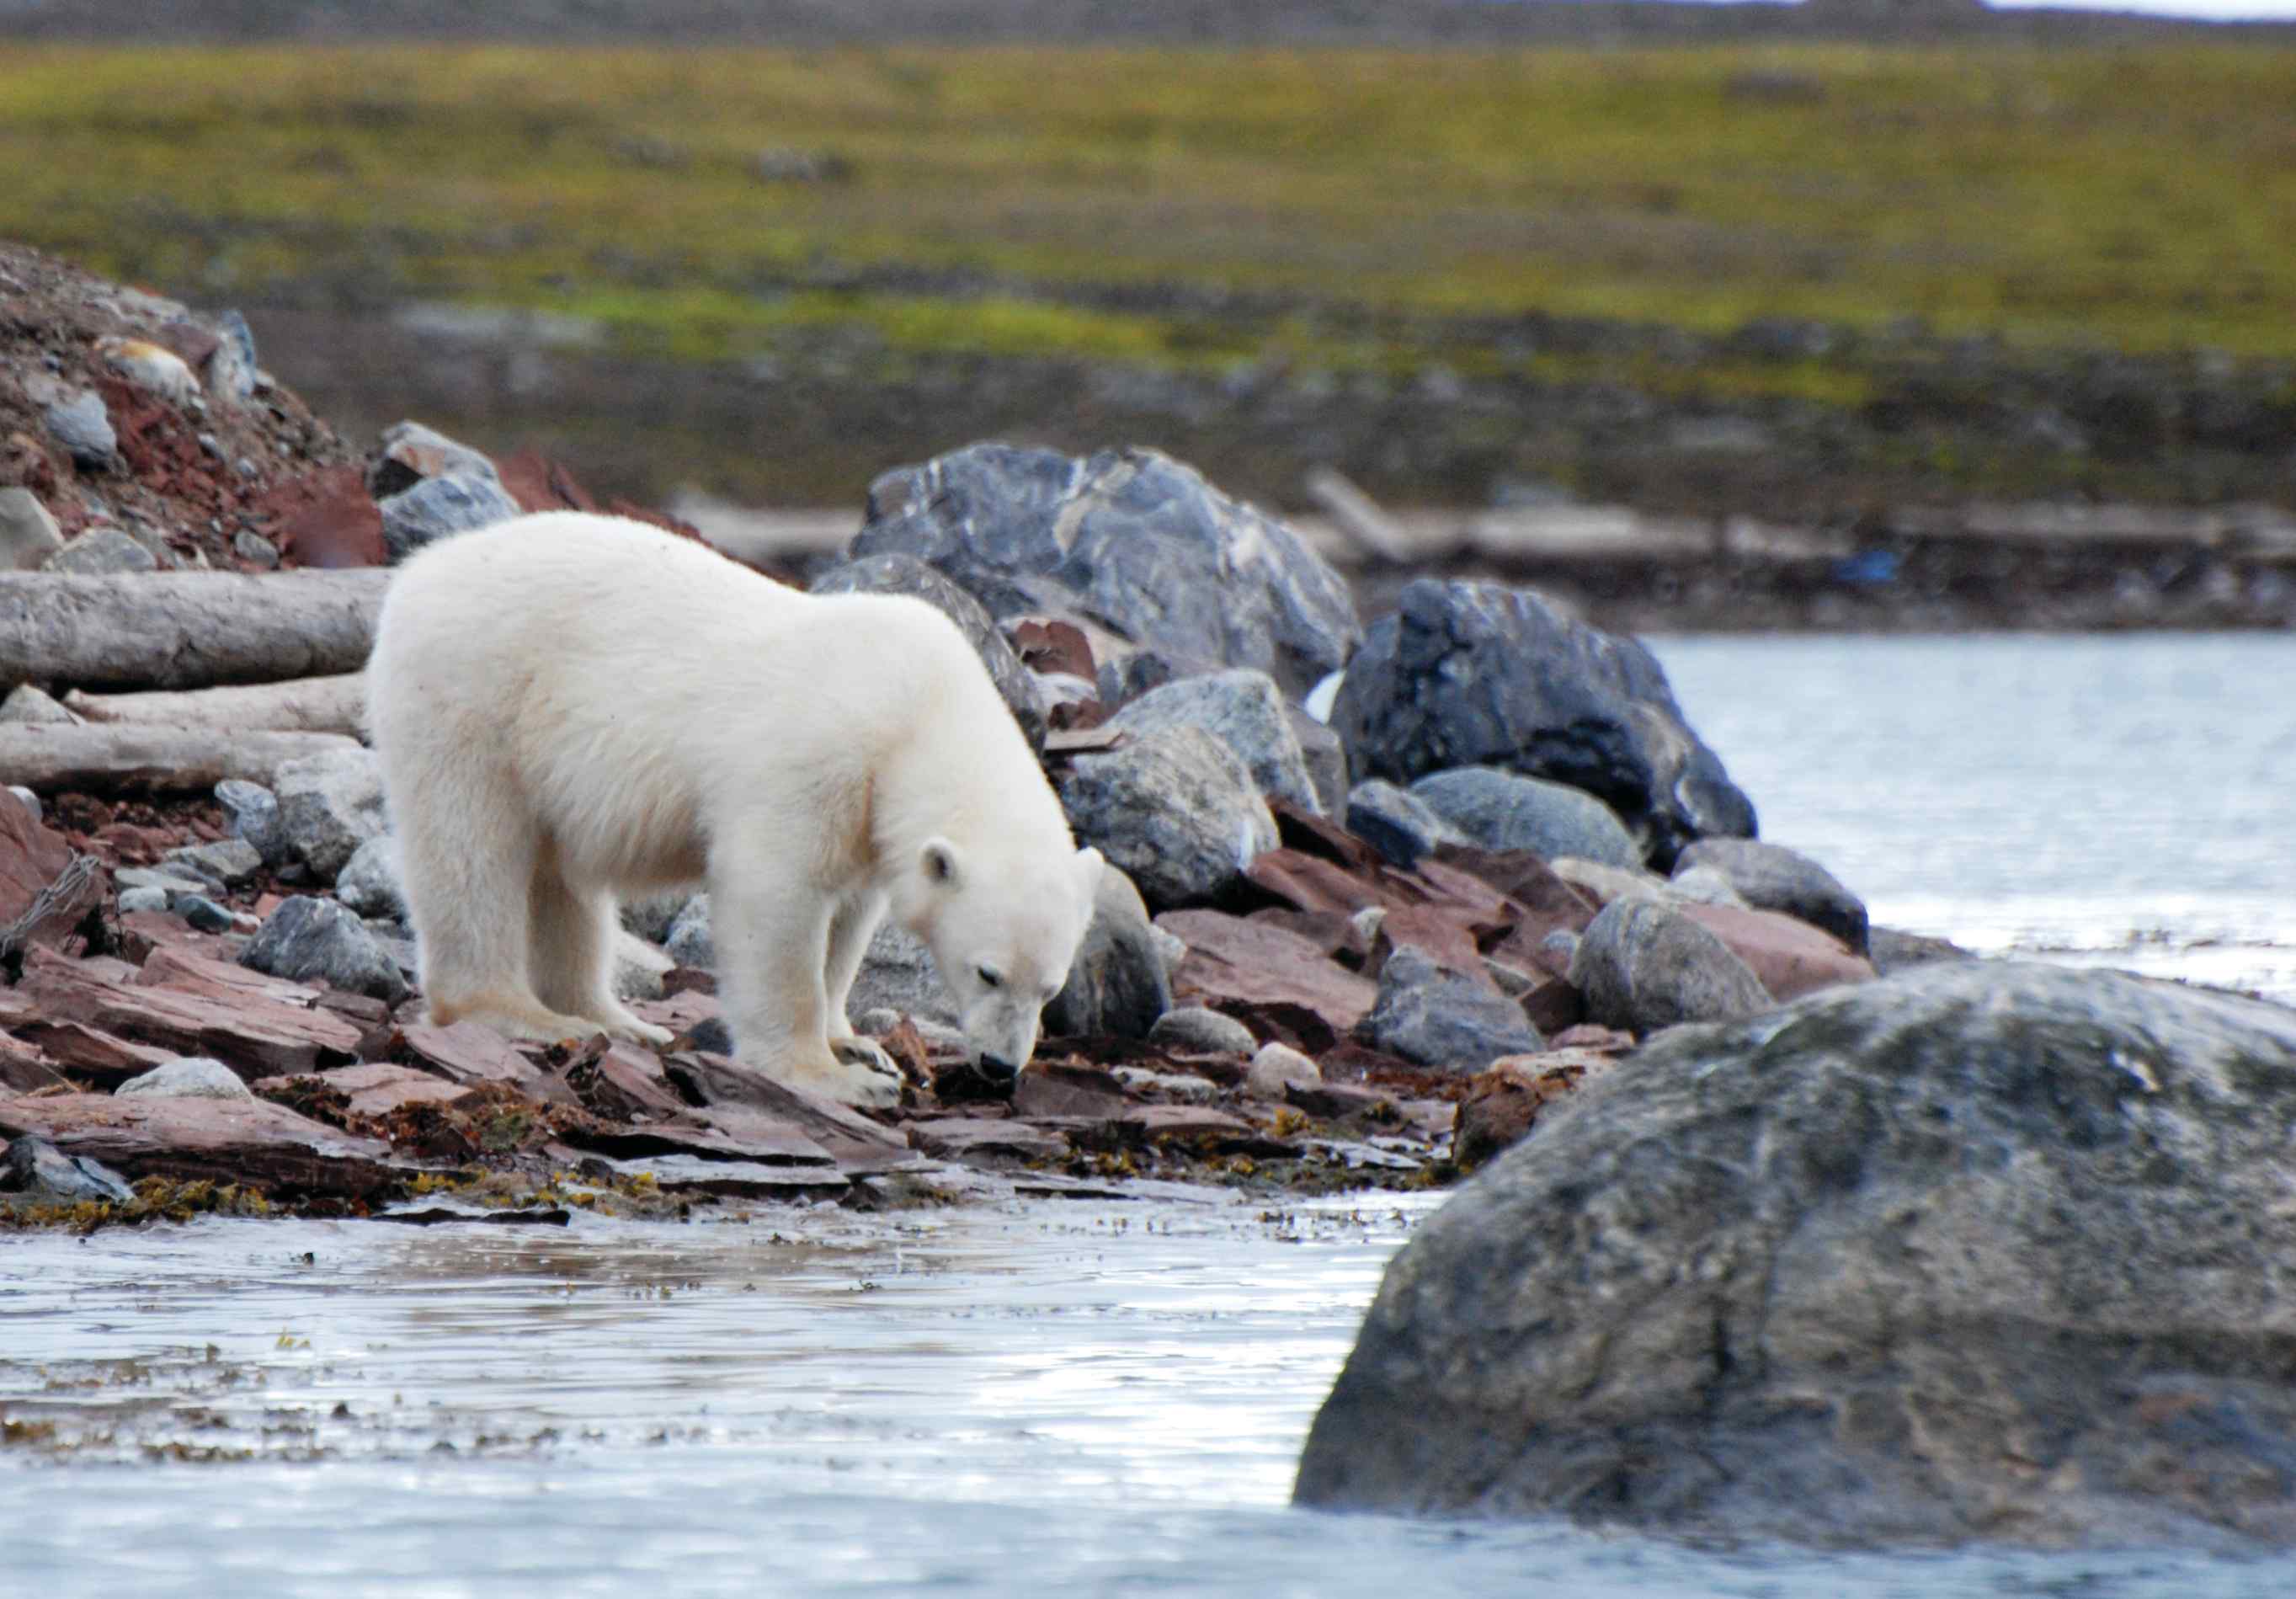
(571, 950)
(467, 849)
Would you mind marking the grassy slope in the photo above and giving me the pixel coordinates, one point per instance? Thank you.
(2141, 199)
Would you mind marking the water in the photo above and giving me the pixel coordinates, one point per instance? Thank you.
(2127, 801)
(1069, 1397)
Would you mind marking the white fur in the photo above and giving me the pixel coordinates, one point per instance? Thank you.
(571, 708)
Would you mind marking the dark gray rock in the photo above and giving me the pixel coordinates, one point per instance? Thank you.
(101, 551)
(1391, 821)
(194, 1077)
(1477, 674)
(408, 453)
(1126, 678)
(1327, 755)
(254, 813)
(1642, 965)
(1892, 950)
(34, 1171)
(306, 937)
(1176, 809)
(1433, 1015)
(653, 917)
(1129, 539)
(83, 426)
(1200, 1030)
(1984, 1251)
(1245, 711)
(201, 913)
(1771, 877)
(329, 804)
(1500, 810)
(1117, 986)
(228, 863)
(689, 942)
(439, 508)
(897, 573)
(369, 882)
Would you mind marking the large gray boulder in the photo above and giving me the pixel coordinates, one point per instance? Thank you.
(1117, 985)
(1129, 539)
(1175, 809)
(897, 974)
(1500, 810)
(897, 573)
(329, 804)
(1433, 1016)
(1642, 964)
(1771, 877)
(1245, 711)
(1982, 1251)
(308, 938)
(1467, 674)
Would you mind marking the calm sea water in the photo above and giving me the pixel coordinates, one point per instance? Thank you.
(2117, 801)
(1064, 1397)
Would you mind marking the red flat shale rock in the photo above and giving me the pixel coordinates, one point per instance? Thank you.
(255, 1035)
(1236, 965)
(250, 1142)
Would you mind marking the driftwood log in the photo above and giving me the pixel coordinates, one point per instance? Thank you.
(302, 705)
(130, 758)
(179, 630)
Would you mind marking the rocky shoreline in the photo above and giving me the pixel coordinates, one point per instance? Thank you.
(1778, 1222)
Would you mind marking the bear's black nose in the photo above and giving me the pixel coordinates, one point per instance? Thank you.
(997, 1071)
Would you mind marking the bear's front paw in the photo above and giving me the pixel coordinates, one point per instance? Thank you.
(646, 1032)
(871, 1079)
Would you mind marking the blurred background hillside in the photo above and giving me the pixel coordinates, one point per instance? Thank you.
(1823, 266)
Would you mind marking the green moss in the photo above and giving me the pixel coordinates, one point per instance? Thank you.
(2132, 198)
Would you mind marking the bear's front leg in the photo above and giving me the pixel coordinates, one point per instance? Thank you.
(771, 943)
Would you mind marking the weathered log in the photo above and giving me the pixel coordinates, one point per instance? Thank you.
(130, 758)
(299, 705)
(184, 629)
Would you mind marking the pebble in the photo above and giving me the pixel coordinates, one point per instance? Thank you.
(1277, 1067)
(1202, 1030)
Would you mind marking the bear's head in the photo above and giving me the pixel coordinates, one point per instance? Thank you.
(1003, 929)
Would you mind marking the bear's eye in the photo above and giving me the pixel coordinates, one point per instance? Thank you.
(990, 979)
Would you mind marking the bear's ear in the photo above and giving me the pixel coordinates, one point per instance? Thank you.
(938, 861)
(1089, 868)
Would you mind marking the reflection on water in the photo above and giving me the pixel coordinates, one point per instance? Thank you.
(2121, 801)
(1047, 1399)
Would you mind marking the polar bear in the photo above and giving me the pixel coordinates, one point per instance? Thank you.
(569, 708)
